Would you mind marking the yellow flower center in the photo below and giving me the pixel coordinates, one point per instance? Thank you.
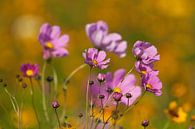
(29, 72)
(95, 62)
(117, 89)
(49, 45)
(148, 86)
(143, 72)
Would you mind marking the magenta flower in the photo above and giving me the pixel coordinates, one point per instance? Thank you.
(145, 52)
(53, 44)
(30, 70)
(152, 83)
(101, 39)
(127, 92)
(95, 58)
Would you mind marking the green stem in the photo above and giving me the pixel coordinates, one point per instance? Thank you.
(14, 105)
(72, 74)
(33, 102)
(55, 82)
(166, 125)
(65, 87)
(43, 92)
(57, 118)
(87, 98)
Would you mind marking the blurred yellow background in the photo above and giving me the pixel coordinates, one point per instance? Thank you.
(168, 24)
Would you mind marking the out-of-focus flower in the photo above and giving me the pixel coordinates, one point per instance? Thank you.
(152, 83)
(53, 44)
(30, 70)
(101, 39)
(191, 127)
(179, 90)
(95, 58)
(120, 86)
(145, 52)
(28, 118)
(176, 113)
(55, 104)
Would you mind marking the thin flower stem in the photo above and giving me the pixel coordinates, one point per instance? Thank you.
(134, 103)
(65, 87)
(14, 105)
(72, 74)
(55, 82)
(43, 92)
(33, 103)
(87, 98)
(166, 125)
(57, 118)
(110, 96)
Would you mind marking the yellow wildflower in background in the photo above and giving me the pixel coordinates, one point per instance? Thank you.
(176, 113)
(28, 118)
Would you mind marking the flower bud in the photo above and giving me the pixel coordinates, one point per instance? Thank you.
(49, 79)
(55, 104)
(145, 123)
(101, 77)
(117, 96)
(128, 95)
(91, 82)
(101, 96)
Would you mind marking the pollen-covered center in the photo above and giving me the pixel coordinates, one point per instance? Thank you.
(148, 86)
(143, 72)
(117, 89)
(95, 62)
(29, 72)
(49, 45)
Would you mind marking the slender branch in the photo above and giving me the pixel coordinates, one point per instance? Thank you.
(43, 92)
(33, 102)
(55, 82)
(87, 98)
(57, 118)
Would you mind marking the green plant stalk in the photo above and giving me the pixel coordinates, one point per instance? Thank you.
(43, 93)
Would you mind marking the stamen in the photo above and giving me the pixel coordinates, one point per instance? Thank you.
(29, 72)
(95, 62)
(49, 45)
(117, 89)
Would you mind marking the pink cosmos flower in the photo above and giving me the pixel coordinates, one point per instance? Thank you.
(127, 88)
(95, 58)
(53, 44)
(101, 39)
(152, 83)
(30, 70)
(145, 52)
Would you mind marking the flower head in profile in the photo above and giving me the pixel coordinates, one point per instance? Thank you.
(123, 89)
(53, 44)
(176, 113)
(101, 39)
(152, 83)
(145, 52)
(30, 70)
(95, 58)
